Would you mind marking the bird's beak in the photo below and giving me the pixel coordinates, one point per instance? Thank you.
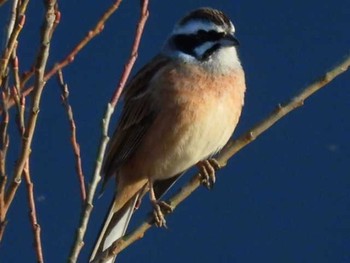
(229, 40)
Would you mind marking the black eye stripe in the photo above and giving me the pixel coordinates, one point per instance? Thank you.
(187, 43)
(211, 35)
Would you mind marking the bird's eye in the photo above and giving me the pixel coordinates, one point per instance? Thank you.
(201, 34)
(214, 35)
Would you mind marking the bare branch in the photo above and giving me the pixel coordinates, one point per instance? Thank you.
(33, 215)
(74, 141)
(1, 3)
(4, 141)
(17, 95)
(230, 149)
(90, 35)
(38, 88)
(70, 57)
(86, 211)
(3, 153)
(13, 39)
(129, 65)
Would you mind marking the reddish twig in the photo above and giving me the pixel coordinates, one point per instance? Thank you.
(90, 35)
(75, 144)
(134, 53)
(26, 76)
(70, 57)
(2, 2)
(3, 225)
(33, 215)
(86, 211)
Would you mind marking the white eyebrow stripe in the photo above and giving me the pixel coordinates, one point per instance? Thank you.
(193, 26)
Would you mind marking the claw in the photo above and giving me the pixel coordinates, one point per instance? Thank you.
(207, 172)
(160, 209)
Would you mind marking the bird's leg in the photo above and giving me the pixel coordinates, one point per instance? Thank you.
(159, 208)
(143, 191)
(207, 170)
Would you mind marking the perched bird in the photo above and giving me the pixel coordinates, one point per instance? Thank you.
(179, 110)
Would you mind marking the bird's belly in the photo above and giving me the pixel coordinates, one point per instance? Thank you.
(182, 137)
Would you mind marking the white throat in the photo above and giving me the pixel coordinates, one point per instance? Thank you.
(223, 61)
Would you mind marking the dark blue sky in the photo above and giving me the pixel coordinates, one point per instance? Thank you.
(284, 198)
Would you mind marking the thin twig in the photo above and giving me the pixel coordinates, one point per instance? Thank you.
(4, 144)
(11, 23)
(33, 215)
(134, 53)
(90, 35)
(86, 211)
(70, 57)
(4, 139)
(74, 141)
(17, 95)
(27, 75)
(20, 20)
(39, 86)
(2, 2)
(3, 225)
(230, 149)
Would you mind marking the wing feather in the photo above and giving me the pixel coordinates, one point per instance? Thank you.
(137, 116)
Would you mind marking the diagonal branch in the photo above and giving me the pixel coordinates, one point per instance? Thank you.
(70, 57)
(229, 150)
(97, 29)
(2, 2)
(87, 209)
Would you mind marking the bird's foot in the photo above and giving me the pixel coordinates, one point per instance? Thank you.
(207, 170)
(161, 208)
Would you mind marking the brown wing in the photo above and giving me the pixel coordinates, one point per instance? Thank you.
(137, 116)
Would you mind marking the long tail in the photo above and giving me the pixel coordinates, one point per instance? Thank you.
(114, 227)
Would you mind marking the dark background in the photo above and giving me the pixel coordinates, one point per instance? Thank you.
(284, 198)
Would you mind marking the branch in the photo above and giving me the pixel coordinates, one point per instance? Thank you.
(33, 215)
(4, 139)
(86, 211)
(4, 144)
(74, 141)
(38, 88)
(89, 36)
(70, 57)
(12, 21)
(229, 150)
(17, 95)
(13, 39)
(2, 2)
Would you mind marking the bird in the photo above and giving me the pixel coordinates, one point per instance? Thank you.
(179, 110)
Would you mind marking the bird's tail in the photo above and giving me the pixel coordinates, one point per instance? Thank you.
(114, 226)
